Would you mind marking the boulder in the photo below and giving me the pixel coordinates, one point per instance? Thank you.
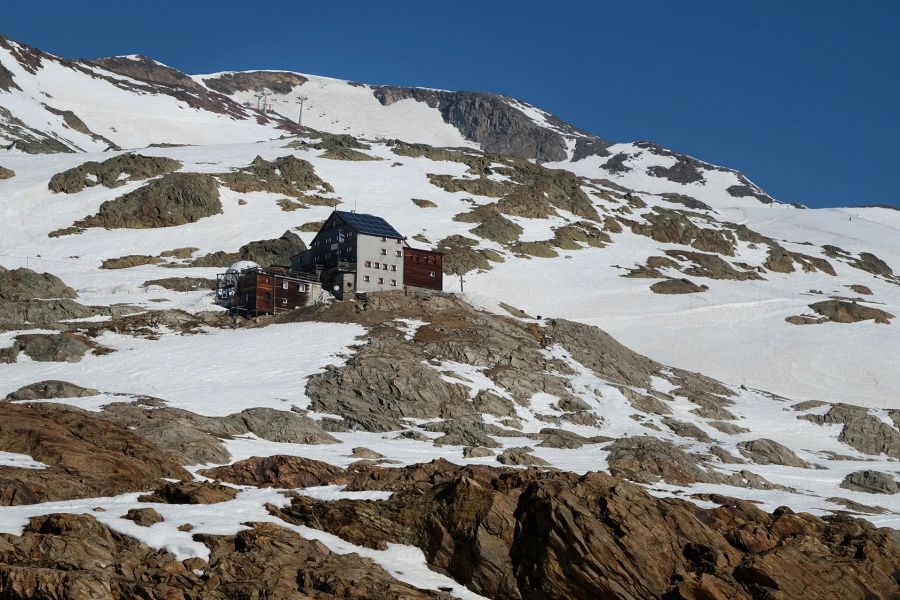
(677, 286)
(768, 452)
(145, 517)
(49, 390)
(871, 482)
(278, 471)
(190, 492)
(276, 252)
(109, 173)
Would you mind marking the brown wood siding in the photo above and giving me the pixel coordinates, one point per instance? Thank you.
(252, 289)
(423, 268)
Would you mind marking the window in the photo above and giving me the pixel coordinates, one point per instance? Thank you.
(284, 301)
(377, 265)
(384, 251)
(399, 253)
(394, 282)
(380, 280)
(268, 296)
(301, 287)
(383, 239)
(384, 266)
(393, 267)
(365, 278)
(285, 285)
(399, 241)
(368, 263)
(431, 274)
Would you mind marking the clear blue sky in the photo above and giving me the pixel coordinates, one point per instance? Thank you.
(801, 96)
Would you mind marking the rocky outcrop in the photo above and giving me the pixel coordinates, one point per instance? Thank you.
(50, 389)
(173, 199)
(286, 175)
(275, 252)
(4, 172)
(862, 430)
(674, 227)
(871, 482)
(526, 534)
(195, 439)
(462, 256)
(109, 173)
(278, 471)
(190, 492)
(700, 264)
(279, 82)
(74, 556)
(494, 122)
(768, 452)
(861, 289)
(62, 347)
(841, 311)
(86, 456)
(783, 261)
(677, 286)
(22, 285)
(145, 517)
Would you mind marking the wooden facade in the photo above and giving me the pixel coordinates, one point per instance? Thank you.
(423, 268)
(258, 291)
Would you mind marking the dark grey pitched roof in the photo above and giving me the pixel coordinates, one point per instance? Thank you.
(369, 224)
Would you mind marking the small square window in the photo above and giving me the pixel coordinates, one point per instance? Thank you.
(380, 280)
(365, 278)
(399, 253)
(368, 263)
(384, 251)
(393, 267)
(285, 285)
(284, 301)
(431, 274)
(383, 239)
(377, 265)
(384, 266)
(394, 282)
(301, 287)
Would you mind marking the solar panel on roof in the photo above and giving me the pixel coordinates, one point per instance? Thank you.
(369, 224)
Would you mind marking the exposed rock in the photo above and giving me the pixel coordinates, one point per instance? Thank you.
(145, 517)
(857, 507)
(463, 432)
(6, 173)
(218, 258)
(63, 347)
(278, 471)
(492, 225)
(529, 534)
(729, 428)
(686, 201)
(130, 260)
(840, 311)
(862, 430)
(421, 203)
(173, 199)
(645, 459)
(782, 261)
(768, 452)
(286, 175)
(74, 556)
(22, 285)
(861, 289)
(710, 265)
(560, 438)
(276, 252)
(492, 121)
(279, 82)
(365, 453)
(677, 286)
(520, 456)
(674, 227)
(109, 173)
(477, 452)
(872, 482)
(688, 430)
(190, 492)
(872, 264)
(460, 255)
(49, 390)
(87, 456)
(311, 227)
